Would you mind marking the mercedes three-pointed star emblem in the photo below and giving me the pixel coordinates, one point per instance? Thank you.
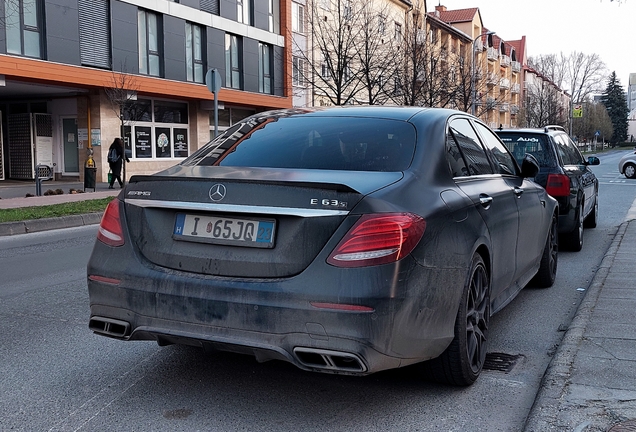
(217, 192)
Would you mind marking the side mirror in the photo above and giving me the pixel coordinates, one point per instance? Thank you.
(529, 166)
(593, 160)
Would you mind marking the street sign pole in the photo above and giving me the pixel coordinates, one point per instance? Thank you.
(213, 81)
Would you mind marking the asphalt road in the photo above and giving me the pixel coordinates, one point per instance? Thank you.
(55, 375)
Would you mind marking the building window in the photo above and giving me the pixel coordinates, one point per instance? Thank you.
(228, 117)
(264, 68)
(23, 27)
(148, 34)
(398, 31)
(156, 129)
(381, 24)
(244, 11)
(347, 13)
(211, 6)
(298, 18)
(298, 71)
(94, 33)
(194, 53)
(271, 17)
(325, 73)
(233, 61)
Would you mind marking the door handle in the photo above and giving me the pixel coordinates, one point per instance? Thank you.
(518, 191)
(485, 200)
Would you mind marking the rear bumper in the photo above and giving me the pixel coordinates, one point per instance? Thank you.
(412, 317)
(567, 214)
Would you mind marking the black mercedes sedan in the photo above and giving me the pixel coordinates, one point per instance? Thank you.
(342, 240)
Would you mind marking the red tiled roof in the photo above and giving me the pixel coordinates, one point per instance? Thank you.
(459, 15)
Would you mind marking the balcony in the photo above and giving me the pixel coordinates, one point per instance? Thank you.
(504, 61)
(479, 45)
(516, 66)
(492, 79)
(504, 107)
(515, 88)
(493, 53)
(504, 83)
(490, 103)
(514, 109)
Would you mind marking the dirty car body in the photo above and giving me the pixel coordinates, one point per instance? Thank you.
(342, 240)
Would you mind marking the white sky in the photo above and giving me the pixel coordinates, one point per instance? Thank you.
(553, 26)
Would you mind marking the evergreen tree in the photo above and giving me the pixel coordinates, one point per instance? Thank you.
(616, 105)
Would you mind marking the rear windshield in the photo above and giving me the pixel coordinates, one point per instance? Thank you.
(521, 143)
(332, 143)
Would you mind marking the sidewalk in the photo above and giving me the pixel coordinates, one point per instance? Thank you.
(13, 194)
(590, 384)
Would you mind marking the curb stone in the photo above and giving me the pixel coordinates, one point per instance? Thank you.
(45, 224)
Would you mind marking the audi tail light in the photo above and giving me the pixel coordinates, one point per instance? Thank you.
(378, 239)
(110, 231)
(558, 185)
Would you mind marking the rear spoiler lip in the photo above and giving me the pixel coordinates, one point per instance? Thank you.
(360, 182)
(234, 208)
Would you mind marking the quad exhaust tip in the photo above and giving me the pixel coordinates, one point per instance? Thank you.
(109, 327)
(329, 360)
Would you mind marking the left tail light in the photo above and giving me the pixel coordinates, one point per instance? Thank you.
(378, 239)
(110, 231)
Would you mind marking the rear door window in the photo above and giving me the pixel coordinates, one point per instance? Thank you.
(505, 162)
(474, 154)
(568, 150)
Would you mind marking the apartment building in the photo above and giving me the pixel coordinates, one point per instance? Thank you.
(496, 74)
(58, 57)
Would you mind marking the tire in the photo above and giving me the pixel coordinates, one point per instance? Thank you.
(461, 363)
(592, 219)
(549, 259)
(629, 170)
(574, 239)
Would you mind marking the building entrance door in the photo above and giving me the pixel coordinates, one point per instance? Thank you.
(71, 156)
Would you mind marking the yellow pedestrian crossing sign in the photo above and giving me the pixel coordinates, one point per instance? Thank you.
(577, 111)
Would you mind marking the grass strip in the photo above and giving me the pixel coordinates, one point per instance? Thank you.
(55, 210)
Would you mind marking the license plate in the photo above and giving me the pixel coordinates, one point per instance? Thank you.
(225, 230)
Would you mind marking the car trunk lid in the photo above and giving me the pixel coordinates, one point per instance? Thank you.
(242, 222)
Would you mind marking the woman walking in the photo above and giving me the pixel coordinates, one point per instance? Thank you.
(115, 160)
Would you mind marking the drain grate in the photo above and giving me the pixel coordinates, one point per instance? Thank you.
(626, 426)
(501, 362)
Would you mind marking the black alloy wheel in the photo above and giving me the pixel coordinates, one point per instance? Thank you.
(592, 219)
(548, 268)
(464, 358)
(574, 239)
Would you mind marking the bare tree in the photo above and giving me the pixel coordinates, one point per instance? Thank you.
(585, 76)
(542, 103)
(335, 29)
(122, 94)
(595, 118)
(412, 70)
(552, 66)
(375, 58)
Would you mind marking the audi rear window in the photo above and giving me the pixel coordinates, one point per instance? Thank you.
(521, 143)
(303, 142)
